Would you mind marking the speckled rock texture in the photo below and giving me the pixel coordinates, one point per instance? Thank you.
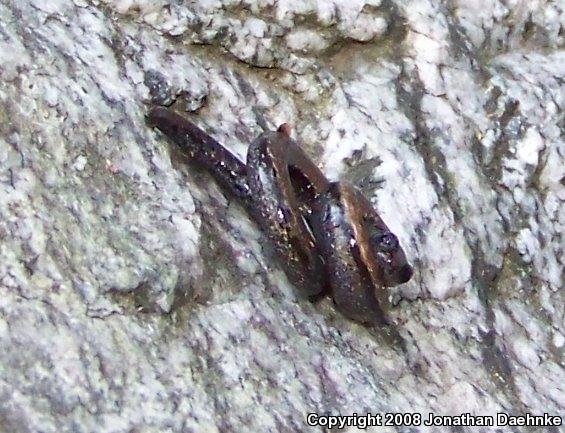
(136, 297)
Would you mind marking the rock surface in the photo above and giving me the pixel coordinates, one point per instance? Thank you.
(136, 297)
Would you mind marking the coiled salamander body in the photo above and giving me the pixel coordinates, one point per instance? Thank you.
(327, 234)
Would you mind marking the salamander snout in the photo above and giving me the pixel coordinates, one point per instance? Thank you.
(391, 258)
(396, 269)
(405, 273)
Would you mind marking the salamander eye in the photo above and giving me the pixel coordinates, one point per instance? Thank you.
(385, 242)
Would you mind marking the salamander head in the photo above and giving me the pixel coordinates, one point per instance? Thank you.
(382, 254)
(390, 257)
(364, 255)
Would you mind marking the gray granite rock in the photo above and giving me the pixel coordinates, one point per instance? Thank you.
(136, 297)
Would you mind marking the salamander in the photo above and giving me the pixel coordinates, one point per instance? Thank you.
(327, 234)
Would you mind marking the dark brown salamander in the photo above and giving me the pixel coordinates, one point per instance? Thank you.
(327, 233)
